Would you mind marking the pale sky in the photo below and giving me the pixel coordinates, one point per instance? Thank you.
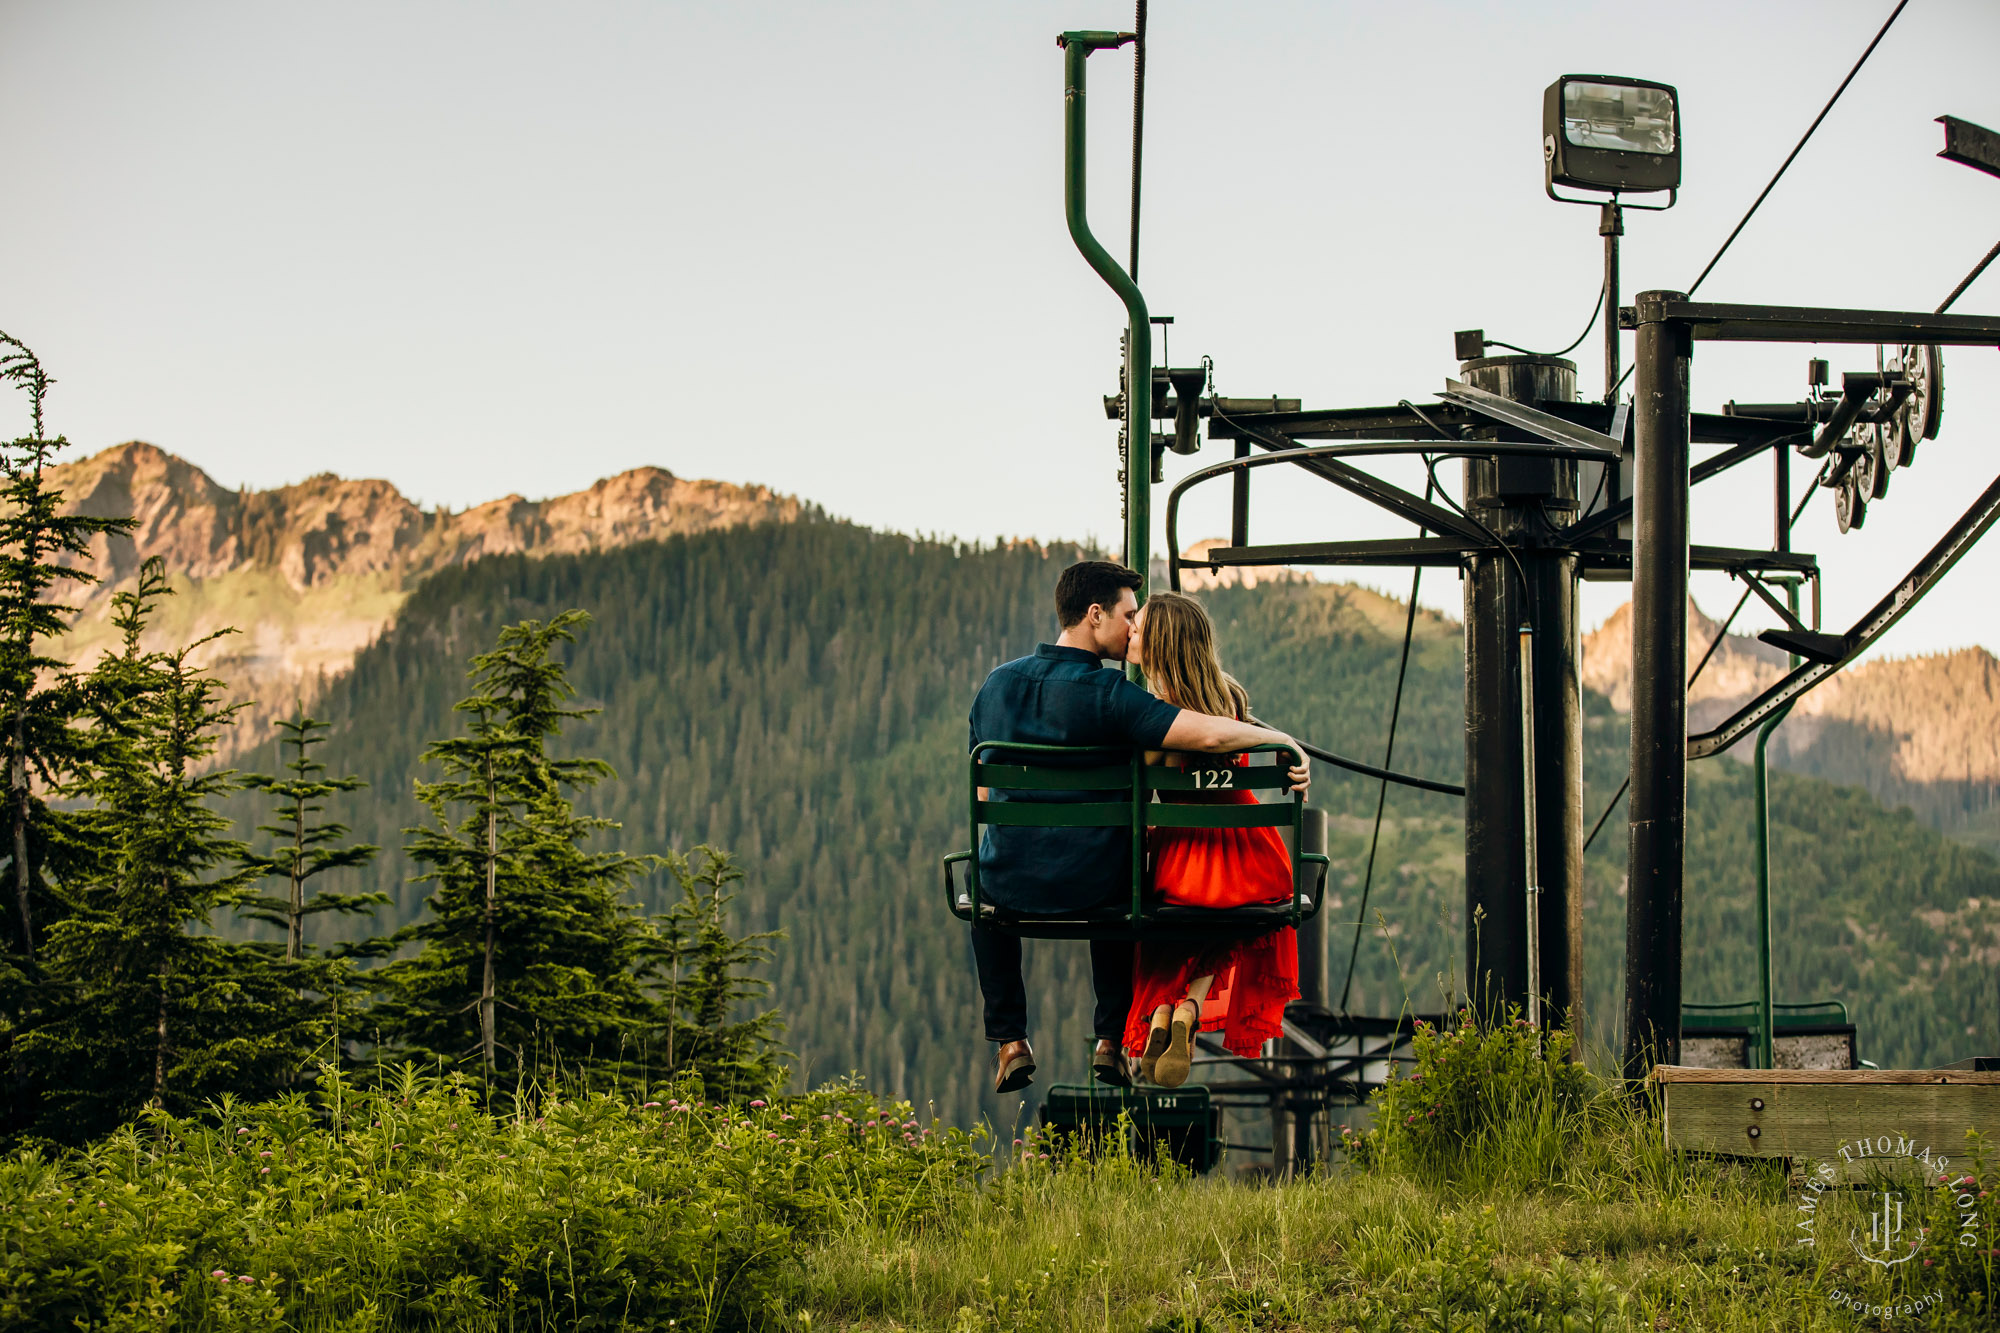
(490, 248)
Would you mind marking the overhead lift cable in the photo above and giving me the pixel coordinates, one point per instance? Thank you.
(1388, 757)
(1900, 4)
(1969, 279)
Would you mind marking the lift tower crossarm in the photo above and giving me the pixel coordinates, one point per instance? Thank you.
(1708, 322)
(1076, 48)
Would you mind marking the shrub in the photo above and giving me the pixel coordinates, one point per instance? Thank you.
(407, 1207)
(1479, 1101)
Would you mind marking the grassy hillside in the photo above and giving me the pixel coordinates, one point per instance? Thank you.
(797, 693)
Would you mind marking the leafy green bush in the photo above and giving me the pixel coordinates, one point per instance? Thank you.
(411, 1207)
(1480, 1097)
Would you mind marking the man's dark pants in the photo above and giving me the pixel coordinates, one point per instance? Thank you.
(998, 957)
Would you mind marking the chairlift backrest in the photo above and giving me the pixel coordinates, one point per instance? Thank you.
(1057, 786)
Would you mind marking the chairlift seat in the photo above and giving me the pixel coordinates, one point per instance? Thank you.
(1081, 787)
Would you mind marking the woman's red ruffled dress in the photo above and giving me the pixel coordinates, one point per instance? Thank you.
(1254, 978)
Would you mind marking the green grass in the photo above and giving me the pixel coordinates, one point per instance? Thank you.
(1502, 1190)
(1112, 1245)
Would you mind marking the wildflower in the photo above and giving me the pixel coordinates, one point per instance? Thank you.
(1017, 1143)
(265, 1153)
(785, 1117)
(758, 1105)
(245, 1131)
(770, 1134)
(647, 1107)
(219, 1273)
(246, 1278)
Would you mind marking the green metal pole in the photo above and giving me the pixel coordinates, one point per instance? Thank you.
(1766, 1036)
(1077, 47)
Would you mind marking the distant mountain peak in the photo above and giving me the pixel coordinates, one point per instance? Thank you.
(313, 571)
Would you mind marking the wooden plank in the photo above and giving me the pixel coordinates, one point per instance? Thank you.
(1691, 1074)
(1810, 1114)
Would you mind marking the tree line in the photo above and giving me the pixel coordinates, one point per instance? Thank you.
(128, 981)
(798, 692)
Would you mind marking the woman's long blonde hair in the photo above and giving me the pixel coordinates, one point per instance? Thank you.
(1180, 661)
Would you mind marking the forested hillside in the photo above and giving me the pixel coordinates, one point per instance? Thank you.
(797, 693)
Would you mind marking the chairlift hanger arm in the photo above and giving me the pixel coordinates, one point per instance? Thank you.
(1936, 563)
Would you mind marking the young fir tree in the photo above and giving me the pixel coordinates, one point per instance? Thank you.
(703, 986)
(39, 699)
(306, 845)
(149, 1008)
(530, 947)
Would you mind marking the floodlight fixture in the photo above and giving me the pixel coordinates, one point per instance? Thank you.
(1618, 135)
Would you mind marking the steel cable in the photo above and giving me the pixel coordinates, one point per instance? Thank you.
(1893, 14)
(1388, 756)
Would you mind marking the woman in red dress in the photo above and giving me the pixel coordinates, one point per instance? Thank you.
(1236, 987)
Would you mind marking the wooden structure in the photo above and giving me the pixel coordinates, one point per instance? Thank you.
(1810, 1113)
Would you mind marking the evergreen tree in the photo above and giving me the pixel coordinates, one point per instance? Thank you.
(146, 1007)
(530, 946)
(306, 845)
(39, 700)
(705, 981)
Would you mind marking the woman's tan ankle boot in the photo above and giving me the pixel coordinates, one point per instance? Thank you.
(1171, 1069)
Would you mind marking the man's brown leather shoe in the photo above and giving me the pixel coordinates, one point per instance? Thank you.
(1016, 1067)
(1107, 1064)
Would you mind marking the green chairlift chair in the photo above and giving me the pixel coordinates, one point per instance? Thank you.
(1070, 787)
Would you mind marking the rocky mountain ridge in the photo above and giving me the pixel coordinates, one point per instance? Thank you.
(1918, 731)
(308, 574)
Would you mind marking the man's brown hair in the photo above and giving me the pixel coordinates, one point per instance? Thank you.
(1091, 583)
